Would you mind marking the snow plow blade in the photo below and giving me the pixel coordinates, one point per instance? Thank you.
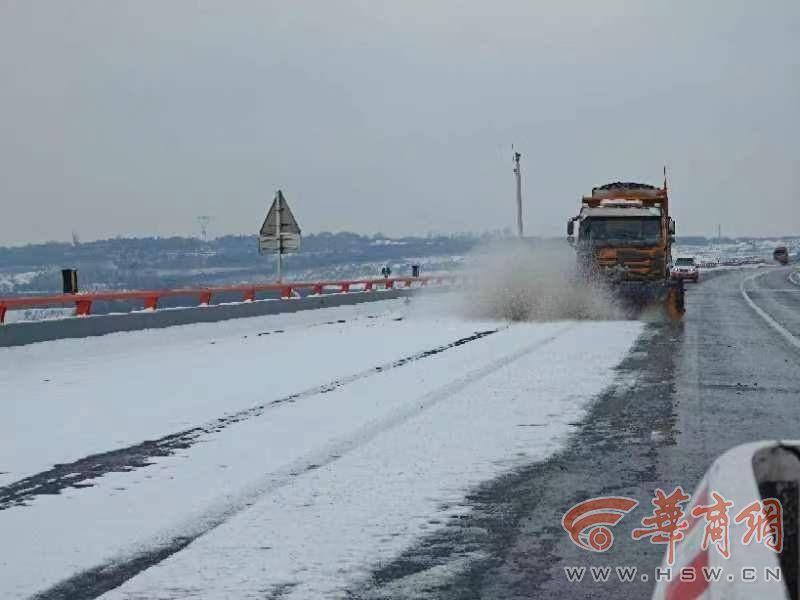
(639, 296)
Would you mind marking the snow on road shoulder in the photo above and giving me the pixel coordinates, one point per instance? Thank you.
(194, 489)
(67, 399)
(328, 526)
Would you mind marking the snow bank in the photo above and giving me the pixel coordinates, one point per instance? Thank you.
(70, 398)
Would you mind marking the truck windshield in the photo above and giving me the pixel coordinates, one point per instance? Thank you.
(621, 229)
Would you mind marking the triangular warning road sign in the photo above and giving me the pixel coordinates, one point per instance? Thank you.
(279, 208)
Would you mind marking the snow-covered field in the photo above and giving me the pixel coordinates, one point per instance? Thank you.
(8, 281)
(371, 423)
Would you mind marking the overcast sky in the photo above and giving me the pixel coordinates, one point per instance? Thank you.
(133, 118)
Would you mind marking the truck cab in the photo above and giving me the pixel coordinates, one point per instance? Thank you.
(624, 239)
(624, 231)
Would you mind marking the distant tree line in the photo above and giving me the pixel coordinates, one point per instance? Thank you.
(136, 263)
(129, 263)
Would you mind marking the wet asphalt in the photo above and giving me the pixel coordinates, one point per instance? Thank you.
(687, 392)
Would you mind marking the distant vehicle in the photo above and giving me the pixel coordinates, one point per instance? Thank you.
(781, 254)
(685, 268)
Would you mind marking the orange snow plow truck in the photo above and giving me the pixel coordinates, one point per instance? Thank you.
(624, 238)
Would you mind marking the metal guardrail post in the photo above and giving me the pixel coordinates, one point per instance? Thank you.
(83, 307)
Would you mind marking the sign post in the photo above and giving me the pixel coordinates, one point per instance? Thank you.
(280, 232)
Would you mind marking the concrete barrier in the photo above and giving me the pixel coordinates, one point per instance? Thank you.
(18, 334)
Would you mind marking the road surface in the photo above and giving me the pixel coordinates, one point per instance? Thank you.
(722, 377)
(378, 451)
(277, 456)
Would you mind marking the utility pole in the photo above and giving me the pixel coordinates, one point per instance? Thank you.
(518, 176)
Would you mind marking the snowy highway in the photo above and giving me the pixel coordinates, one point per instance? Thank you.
(281, 456)
(392, 449)
(687, 392)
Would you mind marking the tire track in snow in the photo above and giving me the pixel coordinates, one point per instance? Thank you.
(82, 472)
(96, 581)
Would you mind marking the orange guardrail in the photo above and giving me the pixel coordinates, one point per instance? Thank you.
(150, 298)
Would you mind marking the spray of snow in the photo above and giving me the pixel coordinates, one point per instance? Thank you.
(522, 280)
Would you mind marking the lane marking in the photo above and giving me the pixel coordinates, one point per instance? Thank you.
(785, 333)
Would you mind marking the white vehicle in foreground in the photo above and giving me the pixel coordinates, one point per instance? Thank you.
(758, 483)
